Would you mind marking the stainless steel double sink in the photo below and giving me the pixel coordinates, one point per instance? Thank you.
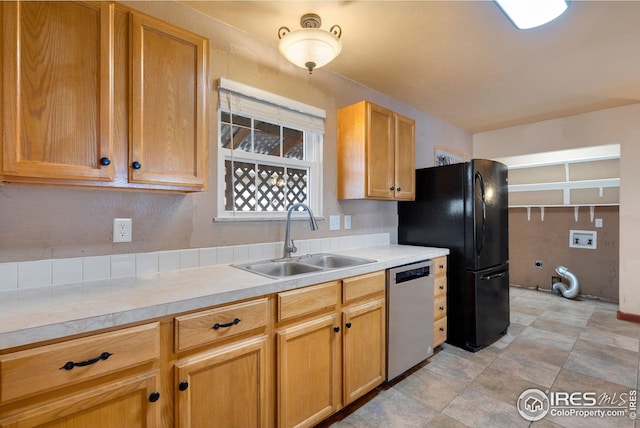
(284, 268)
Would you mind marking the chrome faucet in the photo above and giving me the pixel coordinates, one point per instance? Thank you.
(289, 246)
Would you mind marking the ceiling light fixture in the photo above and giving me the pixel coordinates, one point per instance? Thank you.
(310, 47)
(527, 14)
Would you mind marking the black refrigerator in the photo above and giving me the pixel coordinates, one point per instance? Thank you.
(464, 207)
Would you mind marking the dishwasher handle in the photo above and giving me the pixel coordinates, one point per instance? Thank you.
(412, 273)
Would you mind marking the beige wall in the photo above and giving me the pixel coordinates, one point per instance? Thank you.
(612, 126)
(39, 222)
(532, 239)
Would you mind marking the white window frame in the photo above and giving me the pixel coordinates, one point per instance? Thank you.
(244, 100)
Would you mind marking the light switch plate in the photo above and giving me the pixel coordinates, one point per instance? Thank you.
(334, 222)
(347, 222)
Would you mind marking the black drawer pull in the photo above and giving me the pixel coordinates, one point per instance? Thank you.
(70, 365)
(136, 165)
(229, 324)
(105, 161)
(154, 396)
(348, 325)
(183, 385)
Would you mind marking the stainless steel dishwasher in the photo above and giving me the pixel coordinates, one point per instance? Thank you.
(409, 316)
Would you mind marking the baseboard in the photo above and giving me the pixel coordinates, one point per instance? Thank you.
(628, 317)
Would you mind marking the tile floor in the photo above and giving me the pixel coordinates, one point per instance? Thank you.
(553, 344)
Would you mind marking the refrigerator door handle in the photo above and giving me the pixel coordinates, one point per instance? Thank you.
(494, 276)
(480, 242)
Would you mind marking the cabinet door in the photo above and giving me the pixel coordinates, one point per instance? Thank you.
(405, 165)
(380, 153)
(57, 83)
(224, 387)
(364, 362)
(308, 382)
(128, 402)
(168, 126)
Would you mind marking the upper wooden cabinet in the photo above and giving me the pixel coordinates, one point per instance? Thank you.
(168, 126)
(376, 153)
(57, 80)
(98, 94)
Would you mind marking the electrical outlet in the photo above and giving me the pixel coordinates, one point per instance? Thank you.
(347, 222)
(122, 229)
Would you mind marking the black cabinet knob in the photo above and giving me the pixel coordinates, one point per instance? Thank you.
(154, 396)
(441, 287)
(399, 189)
(348, 325)
(336, 329)
(105, 161)
(391, 188)
(441, 328)
(441, 266)
(136, 165)
(442, 308)
(183, 385)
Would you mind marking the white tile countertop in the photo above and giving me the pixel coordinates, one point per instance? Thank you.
(37, 314)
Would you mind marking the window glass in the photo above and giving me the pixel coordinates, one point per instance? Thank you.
(293, 144)
(269, 156)
(241, 136)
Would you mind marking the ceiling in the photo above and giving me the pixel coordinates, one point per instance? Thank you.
(463, 61)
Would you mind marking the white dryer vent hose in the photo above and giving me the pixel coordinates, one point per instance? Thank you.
(574, 285)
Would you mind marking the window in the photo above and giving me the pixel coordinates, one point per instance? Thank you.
(269, 154)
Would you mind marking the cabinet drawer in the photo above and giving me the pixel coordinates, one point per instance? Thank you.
(440, 266)
(439, 307)
(439, 286)
(53, 366)
(216, 324)
(307, 300)
(359, 286)
(439, 331)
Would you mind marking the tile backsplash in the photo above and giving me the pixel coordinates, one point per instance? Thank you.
(42, 273)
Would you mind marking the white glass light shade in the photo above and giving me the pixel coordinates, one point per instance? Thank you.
(527, 14)
(310, 48)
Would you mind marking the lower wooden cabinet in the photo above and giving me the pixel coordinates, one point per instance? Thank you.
(440, 301)
(223, 387)
(107, 380)
(364, 348)
(128, 402)
(308, 385)
(289, 360)
(334, 352)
